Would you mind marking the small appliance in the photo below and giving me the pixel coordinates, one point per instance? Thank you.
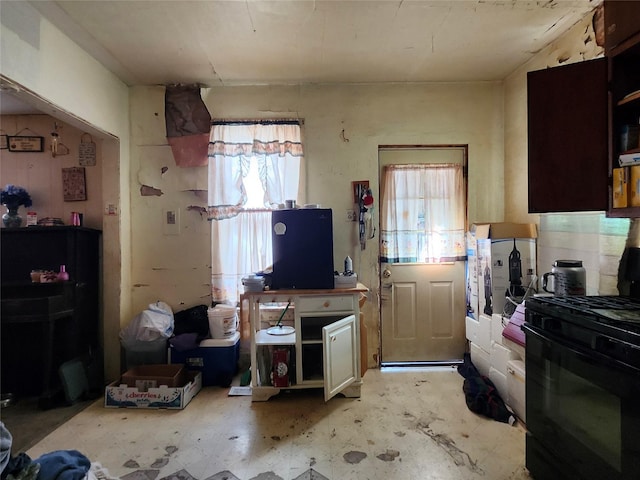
(569, 278)
(302, 249)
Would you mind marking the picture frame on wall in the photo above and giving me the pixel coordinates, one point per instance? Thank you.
(20, 143)
(74, 188)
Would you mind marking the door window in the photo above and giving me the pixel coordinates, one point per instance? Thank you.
(422, 213)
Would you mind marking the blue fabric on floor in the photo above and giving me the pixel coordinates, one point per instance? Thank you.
(63, 465)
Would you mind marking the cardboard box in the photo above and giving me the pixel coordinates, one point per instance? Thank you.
(119, 395)
(634, 190)
(479, 331)
(217, 360)
(501, 249)
(498, 323)
(516, 379)
(480, 359)
(500, 356)
(152, 376)
(620, 187)
(472, 277)
(499, 379)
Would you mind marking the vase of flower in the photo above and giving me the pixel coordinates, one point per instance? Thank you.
(12, 197)
(11, 218)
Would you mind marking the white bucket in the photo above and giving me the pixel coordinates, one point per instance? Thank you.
(223, 321)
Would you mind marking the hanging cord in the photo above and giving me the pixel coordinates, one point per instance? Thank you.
(513, 302)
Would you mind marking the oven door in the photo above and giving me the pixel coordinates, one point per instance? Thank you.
(583, 411)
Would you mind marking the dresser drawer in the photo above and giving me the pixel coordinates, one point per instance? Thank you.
(321, 303)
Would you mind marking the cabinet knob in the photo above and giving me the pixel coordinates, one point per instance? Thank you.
(326, 304)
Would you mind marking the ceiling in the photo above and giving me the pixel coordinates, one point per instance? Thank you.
(242, 42)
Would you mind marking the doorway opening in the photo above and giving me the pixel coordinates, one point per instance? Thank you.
(423, 218)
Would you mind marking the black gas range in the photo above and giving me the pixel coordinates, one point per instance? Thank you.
(582, 361)
(609, 325)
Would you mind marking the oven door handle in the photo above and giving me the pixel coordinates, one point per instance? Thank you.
(592, 357)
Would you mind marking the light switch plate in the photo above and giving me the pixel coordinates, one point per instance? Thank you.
(110, 209)
(171, 221)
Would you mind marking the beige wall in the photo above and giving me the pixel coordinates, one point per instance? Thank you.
(62, 80)
(175, 268)
(143, 264)
(40, 173)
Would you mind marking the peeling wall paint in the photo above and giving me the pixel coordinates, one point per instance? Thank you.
(147, 191)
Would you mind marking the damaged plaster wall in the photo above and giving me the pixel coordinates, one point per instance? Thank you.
(171, 262)
(344, 124)
(175, 268)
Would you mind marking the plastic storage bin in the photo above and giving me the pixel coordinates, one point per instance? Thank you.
(217, 359)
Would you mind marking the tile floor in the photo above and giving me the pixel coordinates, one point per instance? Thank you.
(408, 424)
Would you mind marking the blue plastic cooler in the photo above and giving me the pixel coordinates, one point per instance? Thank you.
(217, 359)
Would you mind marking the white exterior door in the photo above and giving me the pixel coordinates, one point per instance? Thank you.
(422, 314)
(422, 302)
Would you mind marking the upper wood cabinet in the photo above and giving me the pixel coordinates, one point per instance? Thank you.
(621, 22)
(578, 115)
(567, 138)
(622, 27)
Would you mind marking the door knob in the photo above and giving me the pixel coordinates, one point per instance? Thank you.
(386, 273)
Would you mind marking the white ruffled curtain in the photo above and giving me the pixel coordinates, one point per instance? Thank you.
(241, 239)
(422, 214)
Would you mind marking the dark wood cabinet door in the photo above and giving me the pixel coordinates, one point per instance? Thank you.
(568, 138)
(621, 22)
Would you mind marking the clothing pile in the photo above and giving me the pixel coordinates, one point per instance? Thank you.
(481, 395)
(57, 465)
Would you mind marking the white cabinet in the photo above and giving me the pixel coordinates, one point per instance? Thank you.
(323, 351)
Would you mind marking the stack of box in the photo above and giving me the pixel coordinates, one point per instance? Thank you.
(501, 263)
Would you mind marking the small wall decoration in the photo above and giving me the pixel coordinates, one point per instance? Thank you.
(87, 153)
(73, 184)
(359, 188)
(4, 140)
(20, 143)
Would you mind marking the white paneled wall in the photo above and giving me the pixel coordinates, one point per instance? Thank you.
(591, 237)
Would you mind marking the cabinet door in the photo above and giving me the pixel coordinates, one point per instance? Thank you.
(621, 22)
(568, 138)
(340, 355)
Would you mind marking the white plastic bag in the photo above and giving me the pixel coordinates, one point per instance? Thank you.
(154, 323)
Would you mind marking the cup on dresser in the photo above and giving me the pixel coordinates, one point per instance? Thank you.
(35, 276)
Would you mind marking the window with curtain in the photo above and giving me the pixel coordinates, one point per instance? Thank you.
(422, 214)
(253, 168)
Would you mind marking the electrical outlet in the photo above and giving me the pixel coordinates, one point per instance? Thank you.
(351, 216)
